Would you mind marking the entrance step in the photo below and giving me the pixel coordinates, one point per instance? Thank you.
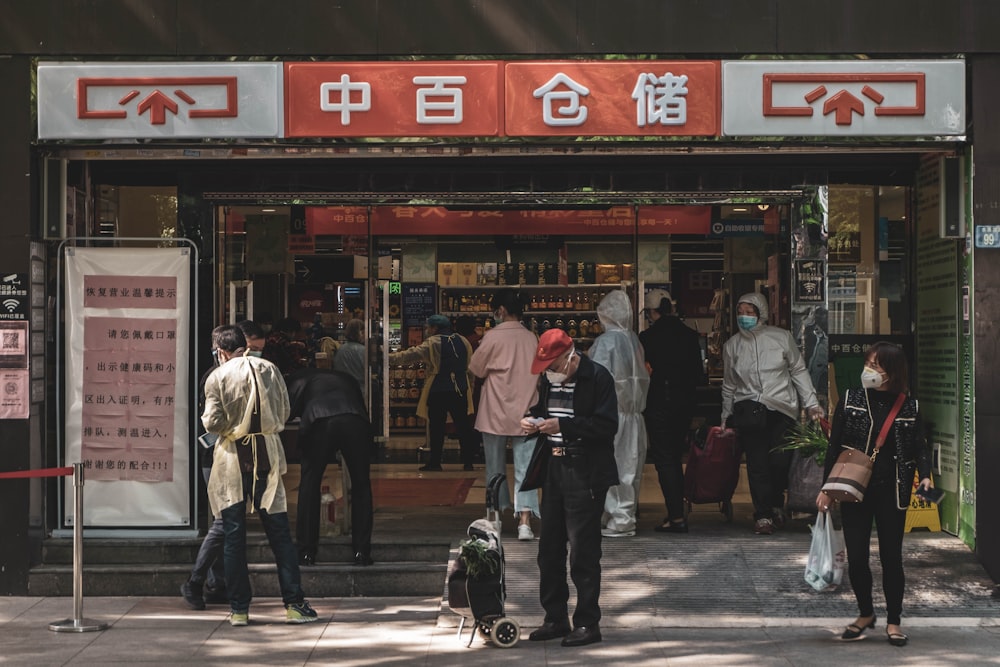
(158, 567)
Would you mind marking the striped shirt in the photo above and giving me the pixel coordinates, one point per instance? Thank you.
(560, 404)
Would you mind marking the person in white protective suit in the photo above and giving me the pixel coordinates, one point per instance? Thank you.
(246, 406)
(618, 350)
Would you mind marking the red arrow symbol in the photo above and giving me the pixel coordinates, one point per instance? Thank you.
(157, 104)
(843, 103)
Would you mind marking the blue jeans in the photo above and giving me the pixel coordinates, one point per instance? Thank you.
(495, 449)
(279, 535)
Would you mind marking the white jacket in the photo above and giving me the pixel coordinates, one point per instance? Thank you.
(765, 365)
(230, 397)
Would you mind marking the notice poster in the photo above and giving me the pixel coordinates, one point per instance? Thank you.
(128, 384)
(128, 398)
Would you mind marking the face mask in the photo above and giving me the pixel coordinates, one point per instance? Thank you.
(871, 378)
(254, 353)
(746, 322)
(215, 357)
(558, 378)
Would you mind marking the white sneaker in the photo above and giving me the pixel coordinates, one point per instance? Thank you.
(524, 532)
(611, 532)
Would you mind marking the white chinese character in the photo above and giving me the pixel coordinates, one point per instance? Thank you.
(660, 99)
(570, 114)
(452, 105)
(345, 106)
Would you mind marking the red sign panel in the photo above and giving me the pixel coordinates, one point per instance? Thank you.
(440, 221)
(633, 98)
(456, 99)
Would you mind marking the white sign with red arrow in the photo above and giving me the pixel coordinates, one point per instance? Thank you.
(888, 98)
(158, 100)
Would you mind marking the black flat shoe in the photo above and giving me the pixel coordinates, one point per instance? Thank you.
(307, 559)
(583, 635)
(550, 631)
(897, 638)
(672, 527)
(361, 558)
(854, 631)
(429, 468)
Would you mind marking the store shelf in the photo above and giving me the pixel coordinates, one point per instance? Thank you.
(531, 287)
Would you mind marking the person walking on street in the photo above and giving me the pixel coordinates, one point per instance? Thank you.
(619, 351)
(447, 388)
(333, 418)
(246, 406)
(764, 382)
(575, 420)
(503, 360)
(673, 354)
(858, 421)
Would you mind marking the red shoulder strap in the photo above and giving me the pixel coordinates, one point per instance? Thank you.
(884, 433)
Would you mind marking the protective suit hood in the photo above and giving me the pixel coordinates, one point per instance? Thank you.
(757, 300)
(615, 311)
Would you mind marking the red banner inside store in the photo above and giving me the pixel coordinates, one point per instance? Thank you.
(441, 221)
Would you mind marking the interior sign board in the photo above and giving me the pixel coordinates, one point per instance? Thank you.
(854, 98)
(155, 100)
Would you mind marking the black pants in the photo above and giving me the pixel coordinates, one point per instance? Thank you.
(890, 522)
(571, 513)
(767, 471)
(439, 405)
(351, 435)
(667, 425)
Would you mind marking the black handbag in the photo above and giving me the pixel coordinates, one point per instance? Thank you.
(538, 467)
(748, 415)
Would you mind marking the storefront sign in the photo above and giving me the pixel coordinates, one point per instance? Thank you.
(625, 98)
(737, 227)
(843, 98)
(14, 304)
(158, 100)
(412, 99)
(454, 98)
(810, 281)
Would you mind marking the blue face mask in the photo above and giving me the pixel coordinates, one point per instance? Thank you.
(746, 322)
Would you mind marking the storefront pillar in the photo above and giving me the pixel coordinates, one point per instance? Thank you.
(18, 435)
(986, 309)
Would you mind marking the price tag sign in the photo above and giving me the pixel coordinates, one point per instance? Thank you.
(988, 236)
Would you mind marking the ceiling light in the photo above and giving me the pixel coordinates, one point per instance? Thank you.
(267, 210)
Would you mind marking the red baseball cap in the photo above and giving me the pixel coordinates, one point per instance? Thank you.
(551, 344)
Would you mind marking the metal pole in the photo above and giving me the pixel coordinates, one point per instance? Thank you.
(78, 623)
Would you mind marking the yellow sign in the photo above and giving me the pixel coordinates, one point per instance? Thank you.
(921, 513)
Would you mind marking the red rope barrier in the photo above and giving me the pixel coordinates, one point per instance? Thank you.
(45, 472)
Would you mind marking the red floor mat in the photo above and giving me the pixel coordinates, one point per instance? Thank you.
(422, 491)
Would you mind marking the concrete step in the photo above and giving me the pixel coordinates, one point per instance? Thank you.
(383, 579)
(106, 551)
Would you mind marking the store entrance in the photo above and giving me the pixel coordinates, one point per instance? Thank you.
(392, 266)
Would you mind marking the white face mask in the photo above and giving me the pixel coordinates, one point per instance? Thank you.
(558, 378)
(871, 378)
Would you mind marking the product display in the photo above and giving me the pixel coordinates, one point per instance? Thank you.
(405, 383)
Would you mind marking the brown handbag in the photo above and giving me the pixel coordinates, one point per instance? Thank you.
(849, 478)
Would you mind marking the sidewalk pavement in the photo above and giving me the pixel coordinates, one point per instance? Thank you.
(719, 595)
(400, 631)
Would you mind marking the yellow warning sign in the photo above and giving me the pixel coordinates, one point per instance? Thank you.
(922, 513)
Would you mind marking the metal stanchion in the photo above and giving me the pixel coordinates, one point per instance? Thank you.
(78, 623)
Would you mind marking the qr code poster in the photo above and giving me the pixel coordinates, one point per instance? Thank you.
(14, 381)
(14, 344)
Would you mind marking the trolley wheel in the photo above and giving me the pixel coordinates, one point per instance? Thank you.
(726, 507)
(505, 632)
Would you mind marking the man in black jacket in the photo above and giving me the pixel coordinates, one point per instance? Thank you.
(576, 418)
(333, 417)
(673, 354)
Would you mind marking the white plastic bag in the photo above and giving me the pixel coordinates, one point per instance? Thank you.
(827, 555)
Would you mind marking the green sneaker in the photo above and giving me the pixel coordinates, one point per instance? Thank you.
(300, 612)
(239, 619)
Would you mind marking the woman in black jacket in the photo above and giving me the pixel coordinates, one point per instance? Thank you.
(857, 422)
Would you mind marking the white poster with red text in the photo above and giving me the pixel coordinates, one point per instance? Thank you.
(127, 384)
